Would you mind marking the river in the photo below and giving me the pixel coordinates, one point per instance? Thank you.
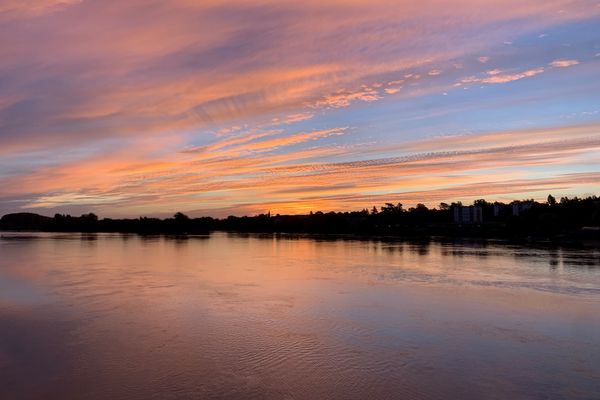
(232, 316)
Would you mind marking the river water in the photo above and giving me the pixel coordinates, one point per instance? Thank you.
(229, 316)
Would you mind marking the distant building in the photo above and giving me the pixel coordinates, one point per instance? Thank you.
(497, 210)
(468, 215)
(519, 206)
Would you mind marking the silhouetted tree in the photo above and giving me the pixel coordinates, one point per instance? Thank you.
(481, 203)
(179, 216)
(391, 208)
(548, 220)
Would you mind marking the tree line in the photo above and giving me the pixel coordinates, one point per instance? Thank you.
(566, 217)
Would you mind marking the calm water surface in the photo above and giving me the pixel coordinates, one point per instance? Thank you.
(259, 317)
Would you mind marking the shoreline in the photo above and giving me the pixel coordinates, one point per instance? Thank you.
(563, 242)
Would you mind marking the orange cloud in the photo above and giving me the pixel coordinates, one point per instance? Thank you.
(134, 70)
(563, 63)
(293, 118)
(436, 169)
(344, 98)
(498, 77)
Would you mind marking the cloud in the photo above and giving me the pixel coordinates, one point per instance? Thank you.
(274, 143)
(563, 63)
(32, 8)
(515, 188)
(232, 171)
(181, 65)
(343, 98)
(483, 59)
(495, 76)
(297, 117)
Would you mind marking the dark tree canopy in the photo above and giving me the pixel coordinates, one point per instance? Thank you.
(571, 218)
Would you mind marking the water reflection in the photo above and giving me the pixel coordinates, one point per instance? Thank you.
(285, 316)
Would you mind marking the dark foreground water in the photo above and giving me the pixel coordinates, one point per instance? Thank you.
(247, 317)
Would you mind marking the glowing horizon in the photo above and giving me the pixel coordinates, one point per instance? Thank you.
(230, 107)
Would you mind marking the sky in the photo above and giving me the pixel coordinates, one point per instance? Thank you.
(141, 107)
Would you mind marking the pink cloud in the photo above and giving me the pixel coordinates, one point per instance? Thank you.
(438, 168)
(297, 117)
(343, 98)
(33, 8)
(563, 63)
(134, 70)
(498, 77)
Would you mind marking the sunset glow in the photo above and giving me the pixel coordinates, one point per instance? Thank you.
(128, 108)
